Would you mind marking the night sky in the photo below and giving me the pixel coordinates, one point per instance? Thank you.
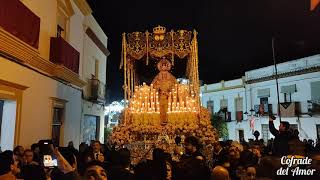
(234, 35)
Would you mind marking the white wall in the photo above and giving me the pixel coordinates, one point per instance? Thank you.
(303, 89)
(91, 53)
(306, 124)
(306, 127)
(8, 125)
(36, 115)
(47, 11)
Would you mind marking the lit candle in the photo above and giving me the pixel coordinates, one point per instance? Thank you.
(178, 106)
(158, 107)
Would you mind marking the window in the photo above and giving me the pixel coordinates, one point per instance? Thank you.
(210, 106)
(287, 91)
(96, 69)
(264, 100)
(60, 31)
(239, 109)
(223, 103)
(58, 110)
(264, 106)
(315, 91)
(56, 125)
(62, 22)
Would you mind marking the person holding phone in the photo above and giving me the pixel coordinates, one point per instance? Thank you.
(97, 153)
(281, 137)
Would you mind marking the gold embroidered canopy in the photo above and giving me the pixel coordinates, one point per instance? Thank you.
(158, 44)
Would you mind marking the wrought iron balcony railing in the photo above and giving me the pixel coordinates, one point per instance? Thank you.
(97, 91)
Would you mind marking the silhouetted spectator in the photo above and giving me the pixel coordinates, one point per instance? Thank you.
(8, 165)
(121, 168)
(158, 164)
(219, 154)
(28, 158)
(36, 150)
(18, 151)
(192, 169)
(280, 144)
(72, 148)
(220, 173)
(256, 135)
(296, 147)
(317, 146)
(309, 147)
(33, 172)
(192, 148)
(95, 171)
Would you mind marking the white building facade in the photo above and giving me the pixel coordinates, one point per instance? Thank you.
(94, 67)
(251, 99)
(44, 52)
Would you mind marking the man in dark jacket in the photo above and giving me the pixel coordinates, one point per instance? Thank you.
(282, 137)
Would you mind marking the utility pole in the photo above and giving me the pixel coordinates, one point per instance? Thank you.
(276, 71)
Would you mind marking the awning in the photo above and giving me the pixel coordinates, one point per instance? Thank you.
(263, 93)
(289, 89)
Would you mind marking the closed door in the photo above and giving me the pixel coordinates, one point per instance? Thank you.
(241, 135)
(90, 128)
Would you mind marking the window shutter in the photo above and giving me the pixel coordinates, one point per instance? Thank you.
(239, 104)
(289, 89)
(223, 103)
(263, 93)
(315, 90)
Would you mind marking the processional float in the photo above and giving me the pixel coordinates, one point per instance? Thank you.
(156, 113)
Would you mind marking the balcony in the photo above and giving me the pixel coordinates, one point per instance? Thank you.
(62, 53)
(225, 114)
(20, 21)
(239, 116)
(313, 107)
(290, 109)
(97, 91)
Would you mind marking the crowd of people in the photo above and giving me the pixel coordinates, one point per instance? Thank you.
(231, 160)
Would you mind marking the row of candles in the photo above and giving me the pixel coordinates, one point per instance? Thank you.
(146, 99)
(181, 100)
